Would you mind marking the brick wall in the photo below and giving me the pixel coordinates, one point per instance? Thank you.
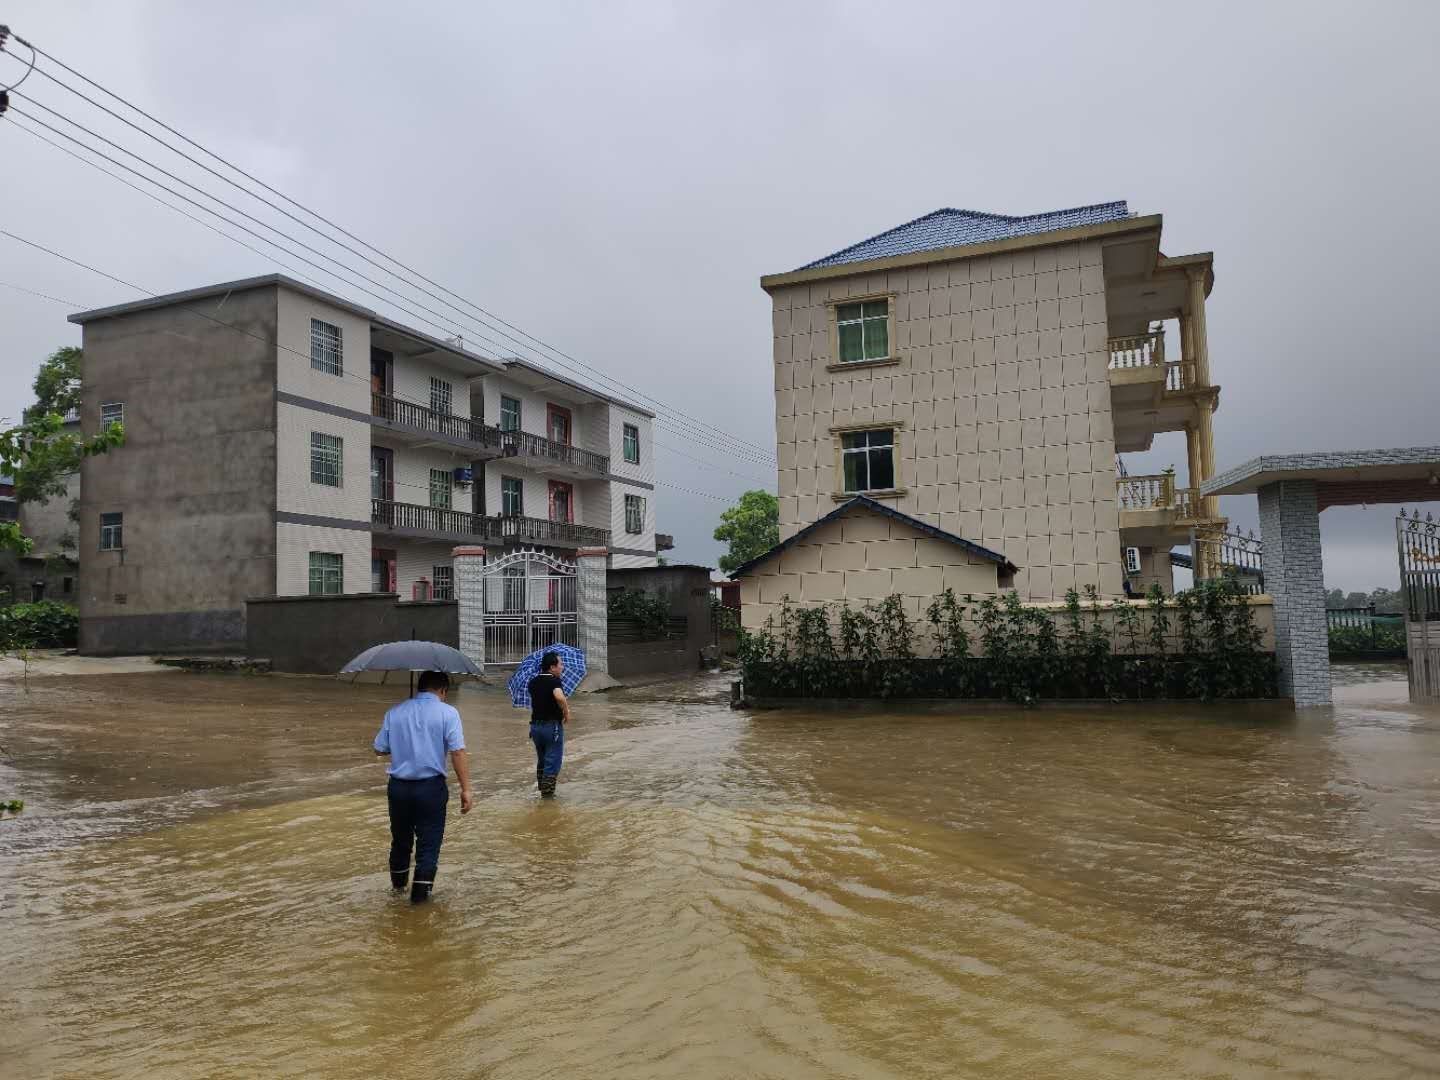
(1295, 578)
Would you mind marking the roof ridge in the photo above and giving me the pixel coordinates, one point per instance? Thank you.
(877, 236)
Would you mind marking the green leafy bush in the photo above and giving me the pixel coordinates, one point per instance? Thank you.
(651, 614)
(1029, 654)
(44, 625)
(1386, 639)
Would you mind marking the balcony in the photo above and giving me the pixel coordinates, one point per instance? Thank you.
(551, 458)
(1154, 512)
(459, 526)
(1150, 394)
(419, 426)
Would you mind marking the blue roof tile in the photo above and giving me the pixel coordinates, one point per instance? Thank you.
(956, 228)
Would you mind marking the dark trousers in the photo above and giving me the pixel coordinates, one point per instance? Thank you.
(417, 819)
(549, 740)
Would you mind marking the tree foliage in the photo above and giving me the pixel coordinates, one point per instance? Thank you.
(57, 383)
(751, 527)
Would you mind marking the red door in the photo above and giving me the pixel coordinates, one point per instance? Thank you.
(558, 424)
(562, 502)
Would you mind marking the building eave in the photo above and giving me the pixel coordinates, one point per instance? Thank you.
(862, 503)
(1103, 230)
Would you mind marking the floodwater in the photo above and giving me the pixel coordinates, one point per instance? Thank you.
(197, 889)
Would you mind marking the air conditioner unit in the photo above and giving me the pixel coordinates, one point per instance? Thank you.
(1132, 560)
(464, 474)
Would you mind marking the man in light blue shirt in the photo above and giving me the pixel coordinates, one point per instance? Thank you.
(417, 734)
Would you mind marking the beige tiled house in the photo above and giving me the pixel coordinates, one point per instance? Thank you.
(978, 374)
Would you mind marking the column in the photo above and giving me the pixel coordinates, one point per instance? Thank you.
(469, 565)
(1295, 578)
(1199, 339)
(594, 615)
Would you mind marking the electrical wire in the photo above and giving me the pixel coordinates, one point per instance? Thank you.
(716, 432)
(28, 70)
(444, 328)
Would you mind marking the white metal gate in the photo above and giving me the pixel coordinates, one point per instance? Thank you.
(529, 603)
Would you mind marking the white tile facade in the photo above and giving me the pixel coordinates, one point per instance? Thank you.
(294, 543)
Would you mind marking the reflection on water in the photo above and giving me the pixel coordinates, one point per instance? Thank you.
(198, 889)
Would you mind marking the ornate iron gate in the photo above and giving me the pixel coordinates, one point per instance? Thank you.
(1419, 548)
(529, 603)
(1234, 554)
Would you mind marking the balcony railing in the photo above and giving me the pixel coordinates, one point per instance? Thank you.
(396, 515)
(1158, 493)
(524, 530)
(517, 530)
(537, 446)
(411, 415)
(1139, 351)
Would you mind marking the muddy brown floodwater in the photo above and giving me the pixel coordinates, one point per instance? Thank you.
(197, 889)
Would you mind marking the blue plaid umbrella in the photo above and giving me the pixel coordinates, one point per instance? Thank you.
(530, 667)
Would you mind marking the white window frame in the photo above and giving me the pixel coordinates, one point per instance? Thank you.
(327, 452)
(442, 396)
(861, 321)
(506, 399)
(845, 452)
(442, 583)
(112, 533)
(628, 430)
(519, 496)
(111, 412)
(635, 504)
(327, 347)
(441, 480)
(1132, 560)
(329, 572)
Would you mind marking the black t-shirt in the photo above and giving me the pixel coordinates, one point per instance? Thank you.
(544, 709)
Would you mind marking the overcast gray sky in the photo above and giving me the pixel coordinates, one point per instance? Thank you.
(614, 178)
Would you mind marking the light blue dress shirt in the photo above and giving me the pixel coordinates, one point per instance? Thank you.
(417, 734)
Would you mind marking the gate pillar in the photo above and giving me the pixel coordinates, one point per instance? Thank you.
(594, 616)
(1295, 578)
(470, 601)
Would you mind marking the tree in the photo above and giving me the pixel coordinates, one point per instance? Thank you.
(57, 383)
(751, 527)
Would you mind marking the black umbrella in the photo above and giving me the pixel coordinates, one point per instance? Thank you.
(409, 656)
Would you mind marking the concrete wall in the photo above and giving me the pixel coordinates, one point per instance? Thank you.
(688, 590)
(1003, 400)
(19, 577)
(410, 381)
(318, 635)
(860, 557)
(1155, 568)
(195, 480)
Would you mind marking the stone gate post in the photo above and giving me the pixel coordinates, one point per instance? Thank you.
(1295, 578)
(593, 616)
(470, 601)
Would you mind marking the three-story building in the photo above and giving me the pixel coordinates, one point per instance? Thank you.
(974, 376)
(284, 441)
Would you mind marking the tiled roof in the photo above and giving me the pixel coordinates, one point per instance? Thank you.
(862, 502)
(955, 228)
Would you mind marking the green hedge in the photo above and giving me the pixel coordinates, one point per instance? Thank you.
(1378, 639)
(1200, 644)
(46, 625)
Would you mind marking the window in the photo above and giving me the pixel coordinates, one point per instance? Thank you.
(864, 330)
(440, 396)
(37, 592)
(327, 574)
(559, 424)
(326, 353)
(326, 453)
(67, 585)
(440, 489)
(509, 414)
(512, 497)
(112, 532)
(632, 444)
(112, 413)
(868, 459)
(443, 578)
(634, 514)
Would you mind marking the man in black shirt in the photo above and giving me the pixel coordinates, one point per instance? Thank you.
(549, 713)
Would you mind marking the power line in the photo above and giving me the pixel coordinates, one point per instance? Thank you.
(445, 328)
(715, 431)
(43, 296)
(229, 326)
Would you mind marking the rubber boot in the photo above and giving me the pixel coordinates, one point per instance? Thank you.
(540, 777)
(400, 880)
(420, 892)
(547, 787)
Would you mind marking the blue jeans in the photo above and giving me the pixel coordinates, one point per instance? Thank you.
(549, 740)
(417, 817)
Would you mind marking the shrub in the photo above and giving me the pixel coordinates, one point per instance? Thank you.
(43, 625)
(650, 613)
(1029, 653)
